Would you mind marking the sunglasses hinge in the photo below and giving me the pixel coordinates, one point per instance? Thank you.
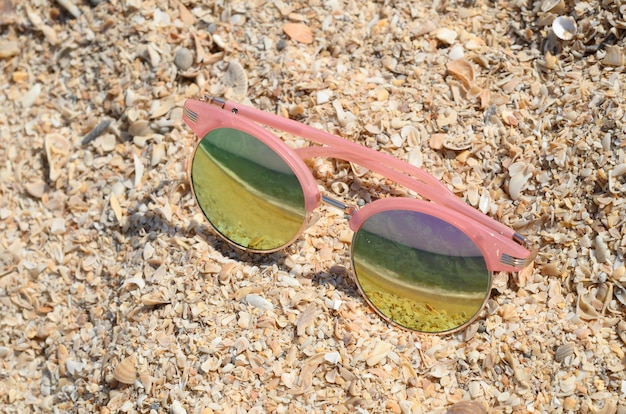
(349, 210)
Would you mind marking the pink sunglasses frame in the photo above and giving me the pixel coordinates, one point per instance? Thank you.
(502, 247)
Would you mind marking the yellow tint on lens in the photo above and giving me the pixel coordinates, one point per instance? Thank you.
(419, 271)
(247, 191)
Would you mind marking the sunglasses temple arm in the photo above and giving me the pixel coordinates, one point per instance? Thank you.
(405, 174)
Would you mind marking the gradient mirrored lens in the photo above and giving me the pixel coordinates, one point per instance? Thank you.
(247, 191)
(419, 271)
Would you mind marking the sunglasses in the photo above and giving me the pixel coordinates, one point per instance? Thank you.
(424, 266)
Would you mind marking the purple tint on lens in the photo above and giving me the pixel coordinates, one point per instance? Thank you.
(419, 271)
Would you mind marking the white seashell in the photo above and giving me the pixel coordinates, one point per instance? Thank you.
(288, 281)
(456, 52)
(73, 367)
(343, 117)
(484, 204)
(396, 140)
(564, 27)
(517, 182)
(177, 408)
(258, 302)
(332, 357)
(57, 226)
(31, 96)
(445, 35)
(439, 371)
(136, 280)
(619, 170)
(411, 134)
(323, 96)
(416, 157)
(340, 188)
(139, 168)
(380, 351)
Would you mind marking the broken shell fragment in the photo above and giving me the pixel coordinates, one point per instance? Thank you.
(126, 371)
(463, 70)
(564, 27)
(614, 56)
(57, 153)
(553, 6)
(564, 351)
(467, 407)
(299, 32)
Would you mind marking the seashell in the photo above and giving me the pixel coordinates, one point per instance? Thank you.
(332, 357)
(306, 319)
(36, 189)
(564, 351)
(340, 188)
(177, 408)
(235, 80)
(8, 48)
(621, 330)
(305, 379)
(225, 272)
(467, 407)
(620, 292)
(602, 250)
(163, 107)
(343, 117)
(147, 381)
(411, 134)
(299, 32)
(70, 7)
(457, 144)
(518, 180)
(614, 56)
(436, 141)
(258, 302)
(380, 351)
(139, 169)
(553, 6)
(126, 371)
(463, 70)
(564, 27)
(358, 170)
(57, 153)
(618, 171)
(445, 35)
(416, 157)
(155, 299)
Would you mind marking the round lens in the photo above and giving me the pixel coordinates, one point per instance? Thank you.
(420, 271)
(246, 190)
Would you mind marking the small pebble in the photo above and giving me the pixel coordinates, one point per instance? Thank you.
(183, 59)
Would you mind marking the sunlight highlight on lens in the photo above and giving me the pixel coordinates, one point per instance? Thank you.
(246, 190)
(419, 271)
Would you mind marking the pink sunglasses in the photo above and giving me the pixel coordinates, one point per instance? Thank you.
(423, 266)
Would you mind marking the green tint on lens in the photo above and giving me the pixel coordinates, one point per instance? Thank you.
(247, 191)
(419, 271)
